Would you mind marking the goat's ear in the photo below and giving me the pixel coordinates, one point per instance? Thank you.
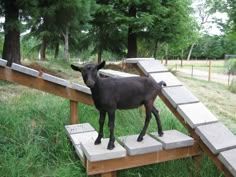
(101, 65)
(76, 68)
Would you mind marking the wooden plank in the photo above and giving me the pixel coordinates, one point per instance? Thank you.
(179, 95)
(151, 66)
(141, 160)
(217, 137)
(3, 63)
(109, 174)
(168, 77)
(43, 85)
(196, 114)
(25, 70)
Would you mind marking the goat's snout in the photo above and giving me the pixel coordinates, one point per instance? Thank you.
(90, 83)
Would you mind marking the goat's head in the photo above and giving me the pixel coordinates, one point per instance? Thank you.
(89, 72)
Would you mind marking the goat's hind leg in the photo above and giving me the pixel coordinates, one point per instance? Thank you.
(101, 124)
(147, 121)
(111, 125)
(158, 120)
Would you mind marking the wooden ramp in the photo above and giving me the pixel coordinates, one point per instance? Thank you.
(48, 83)
(215, 139)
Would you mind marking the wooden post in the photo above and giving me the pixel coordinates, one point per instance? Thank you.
(73, 112)
(109, 174)
(209, 71)
(192, 72)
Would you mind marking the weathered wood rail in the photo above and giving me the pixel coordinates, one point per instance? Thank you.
(48, 83)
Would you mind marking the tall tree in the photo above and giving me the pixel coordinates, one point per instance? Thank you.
(11, 47)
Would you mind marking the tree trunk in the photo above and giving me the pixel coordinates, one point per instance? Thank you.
(56, 52)
(100, 55)
(11, 46)
(155, 49)
(132, 36)
(190, 51)
(166, 53)
(42, 52)
(66, 46)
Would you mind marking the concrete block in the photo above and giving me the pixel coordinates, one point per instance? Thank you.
(81, 88)
(151, 66)
(54, 79)
(80, 153)
(228, 158)
(196, 114)
(168, 77)
(179, 95)
(78, 128)
(115, 74)
(78, 138)
(100, 152)
(3, 62)
(134, 147)
(173, 139)
(25, 70)
(135, 60)
(217, 137)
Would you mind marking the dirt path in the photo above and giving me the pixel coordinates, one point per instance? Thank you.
(203, 75)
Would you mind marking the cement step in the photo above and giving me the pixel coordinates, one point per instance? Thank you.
(151, 66)
(25, 70)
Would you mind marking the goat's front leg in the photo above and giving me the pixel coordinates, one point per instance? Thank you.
(101, 124)
(157, 116)
(111, 125)
(147, 120)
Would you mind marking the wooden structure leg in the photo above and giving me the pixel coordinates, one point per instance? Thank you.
(109, 174)
(73, 112)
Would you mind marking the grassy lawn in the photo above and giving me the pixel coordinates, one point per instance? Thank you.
(33, 141)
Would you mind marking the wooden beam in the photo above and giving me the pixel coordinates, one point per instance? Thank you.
(43, 85)
(106, 166)
(74, 112)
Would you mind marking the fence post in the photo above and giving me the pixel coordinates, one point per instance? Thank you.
(209, 71)
(192, 72)
(73, 112)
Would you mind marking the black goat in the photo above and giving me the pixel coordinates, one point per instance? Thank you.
(110, 94)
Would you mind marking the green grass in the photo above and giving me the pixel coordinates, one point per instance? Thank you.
(33, 141)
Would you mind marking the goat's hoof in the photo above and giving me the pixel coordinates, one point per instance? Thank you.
(110, 146)
(160, 134)
(140, 139)
(98, 141)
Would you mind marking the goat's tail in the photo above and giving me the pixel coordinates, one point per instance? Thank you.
(162, 83)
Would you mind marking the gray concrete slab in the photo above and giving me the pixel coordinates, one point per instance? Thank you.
(151, 66)
(55, 79)
(228, 158)
(84, 137)
(78, 128)
(3, 62)
(217, 137)
(81, 88)
(25, 70)
(174, 139)
(100, 152)
(80, 153)
(115, 74)
(179, 95)
(135, 60)
(196, 114)
(168, 77)
(134, 147)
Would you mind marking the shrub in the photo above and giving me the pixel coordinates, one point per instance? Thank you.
(230, 66)
(232, 86)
